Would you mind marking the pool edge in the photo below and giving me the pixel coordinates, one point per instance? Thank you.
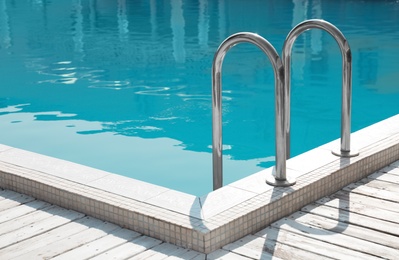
(214, 220)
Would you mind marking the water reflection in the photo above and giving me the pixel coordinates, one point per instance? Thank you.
(5, 38)
(315, 42)
(203, 23)
(299, 14)
(92, 14)
(62, 72)
(123, 23)
(222, 20)
(369, 69)
(38, 3)
(153, 19)
(177, 24)
(77, 27)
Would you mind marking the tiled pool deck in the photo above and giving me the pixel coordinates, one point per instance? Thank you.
(206, 223)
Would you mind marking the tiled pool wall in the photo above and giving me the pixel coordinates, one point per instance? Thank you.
(201, 223)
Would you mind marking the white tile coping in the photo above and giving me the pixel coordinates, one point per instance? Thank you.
(202, 223)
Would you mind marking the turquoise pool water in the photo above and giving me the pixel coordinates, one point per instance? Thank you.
(125, 86)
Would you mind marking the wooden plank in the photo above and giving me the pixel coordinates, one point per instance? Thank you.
(38, 228)
(336, 238)
(359, 208)
(262, 248)
(395, 164)
(3, 193)
(21, 210)
(382, 185)
(158, 252)
(374, 192)
(8, 194)
(200, 257)
(96, 247)
(352, 218)
(250, 246)
(30, 218)
(129, 249)
(388, 177)
(188, 255)
(181, 253)
(14, 201)
(344, 228)
(49, 237)
(312, 245)
(379, 189)
(365, 200)
(68, 243)
(224, 254)
(391, 169)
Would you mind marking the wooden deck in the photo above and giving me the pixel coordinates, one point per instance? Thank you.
(359, 222)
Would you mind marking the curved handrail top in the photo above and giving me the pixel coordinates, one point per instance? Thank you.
(255, 39)
(317, 24)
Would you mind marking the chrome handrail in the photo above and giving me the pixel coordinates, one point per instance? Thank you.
(278, 69)
(345, 150)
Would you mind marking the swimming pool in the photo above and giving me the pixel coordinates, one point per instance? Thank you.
(125, 86)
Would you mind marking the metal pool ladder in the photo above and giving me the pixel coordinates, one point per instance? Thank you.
(282, 77)
(346, 53)
(278, 69)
